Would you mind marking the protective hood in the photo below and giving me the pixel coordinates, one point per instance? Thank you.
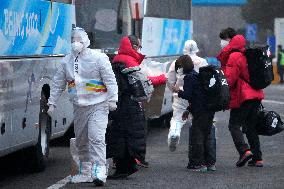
(77, 31)
(237, 43)
(125, 48)
(190, 47)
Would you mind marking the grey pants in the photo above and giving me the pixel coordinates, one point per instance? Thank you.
(90, 123)
(245, 117)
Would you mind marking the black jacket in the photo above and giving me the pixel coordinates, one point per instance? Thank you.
(192, 92)
(127, 128)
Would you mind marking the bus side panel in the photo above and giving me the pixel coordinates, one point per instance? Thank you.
(6, 132)
(27, 78)
(25, 104)
(5, 108)
(63, 114)
(30, 28)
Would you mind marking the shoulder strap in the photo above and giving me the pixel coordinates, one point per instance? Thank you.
(130, 70)
(235, 50)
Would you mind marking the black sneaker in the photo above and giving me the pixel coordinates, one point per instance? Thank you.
(190, 166)
(132, 171)
(117, 176)
(98, 182)
(244, 158)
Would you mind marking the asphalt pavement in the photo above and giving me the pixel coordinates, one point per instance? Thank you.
(168, 169)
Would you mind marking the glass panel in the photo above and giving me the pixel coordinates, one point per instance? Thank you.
(105, 21)
(177, 9)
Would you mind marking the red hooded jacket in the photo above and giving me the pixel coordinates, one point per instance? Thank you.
(131, 58)
(234, 66)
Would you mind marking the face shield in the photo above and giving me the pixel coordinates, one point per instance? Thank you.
(190, 47)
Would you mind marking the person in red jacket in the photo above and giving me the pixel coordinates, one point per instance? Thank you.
(245, 100)
(129, 54)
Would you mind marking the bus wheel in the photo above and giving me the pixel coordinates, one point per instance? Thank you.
(39, 153)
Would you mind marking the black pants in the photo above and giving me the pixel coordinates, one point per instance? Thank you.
(211, 149)
(142, 156)
(201, 138)
(281, 72)
(245, 117)
(125, 165)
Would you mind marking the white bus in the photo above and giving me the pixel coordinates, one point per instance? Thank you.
(163, 26)
(34, 36)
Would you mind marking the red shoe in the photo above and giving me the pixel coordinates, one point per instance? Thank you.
(255, 163)
(144, 164)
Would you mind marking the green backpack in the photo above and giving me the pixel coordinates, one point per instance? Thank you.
(282, 59)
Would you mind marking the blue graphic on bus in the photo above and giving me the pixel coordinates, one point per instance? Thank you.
(35, 27)
(162, 36)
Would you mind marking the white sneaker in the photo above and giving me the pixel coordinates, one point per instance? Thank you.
(99, 174)
(85, 173)
(80, 178)
(174, 135)
(173, 141)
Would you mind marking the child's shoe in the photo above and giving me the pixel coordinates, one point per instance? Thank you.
(211, 167)
(198, 168)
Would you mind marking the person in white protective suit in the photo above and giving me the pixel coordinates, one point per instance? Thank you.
(175, 79)
(93, 91)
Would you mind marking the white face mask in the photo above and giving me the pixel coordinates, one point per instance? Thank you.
(224, 43)
(77, 46)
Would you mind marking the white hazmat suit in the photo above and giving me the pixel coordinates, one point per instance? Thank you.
(93, 91)
(175, 78)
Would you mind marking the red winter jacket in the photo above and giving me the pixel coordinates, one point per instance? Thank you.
(131, 58)
(234, 66)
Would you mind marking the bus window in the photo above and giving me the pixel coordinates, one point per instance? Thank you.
(106, 21)
(176, 9)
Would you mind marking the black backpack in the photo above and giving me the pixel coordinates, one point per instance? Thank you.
(215, 87)
(259, 67)
(269, 122)
(140, 86)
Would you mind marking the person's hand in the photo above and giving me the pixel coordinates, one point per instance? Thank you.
(50, 110)
(175, 89)
(170, 86)
(112, 105)
(185, 115)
